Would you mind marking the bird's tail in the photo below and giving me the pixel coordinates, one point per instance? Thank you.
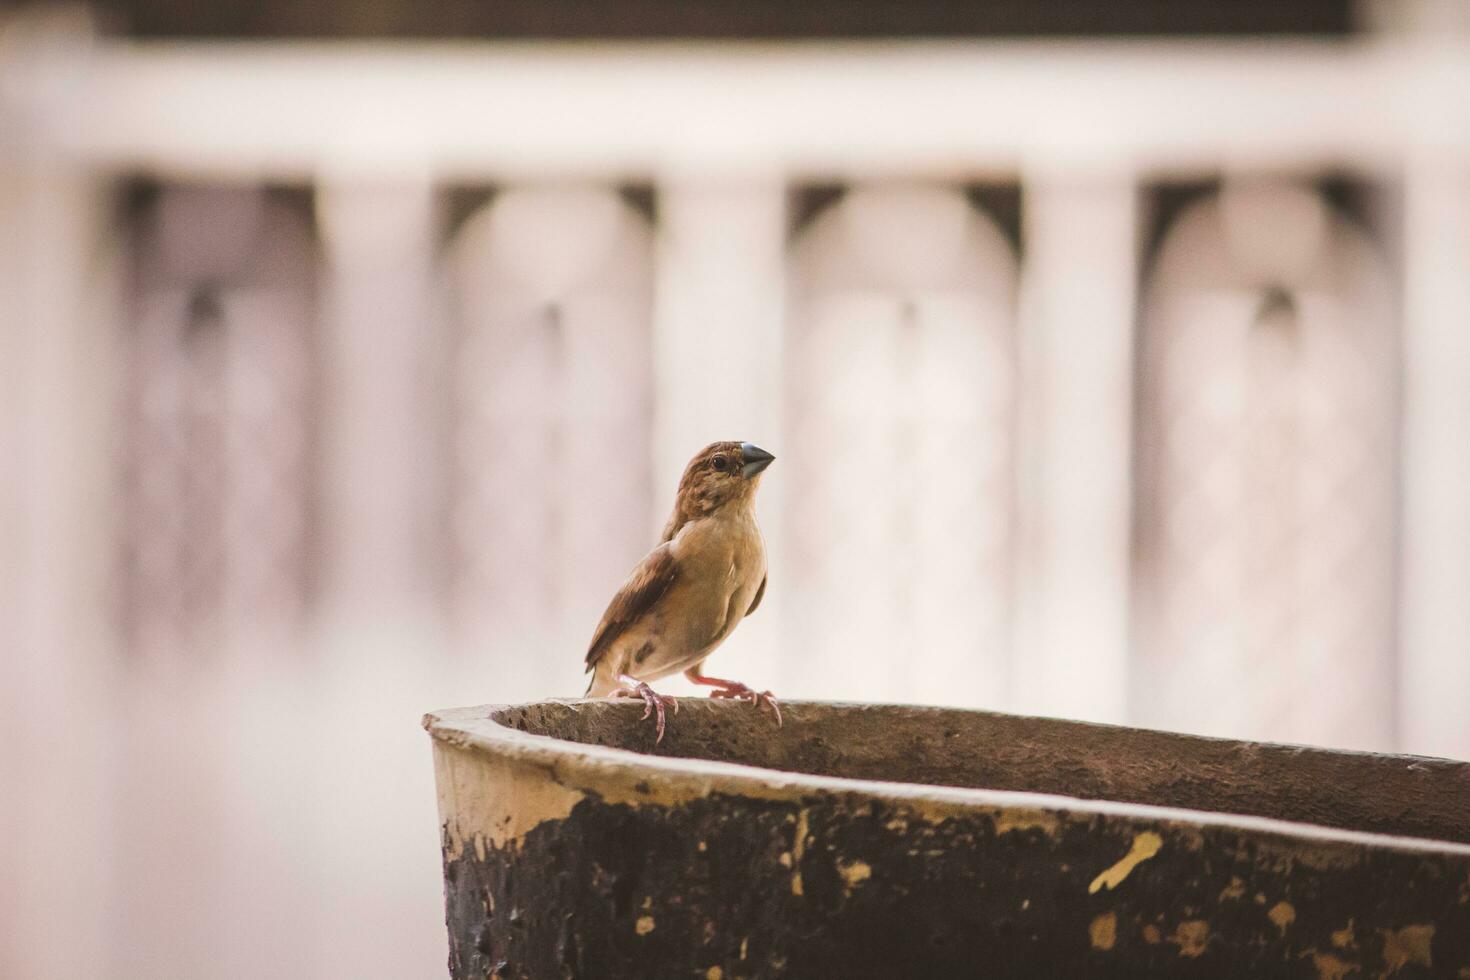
(601, 685)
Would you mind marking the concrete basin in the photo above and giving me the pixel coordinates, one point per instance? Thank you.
(893, 841)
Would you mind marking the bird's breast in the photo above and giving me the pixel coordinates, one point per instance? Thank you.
(722, 562)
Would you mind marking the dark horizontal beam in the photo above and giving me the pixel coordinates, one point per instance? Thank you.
(722, 19)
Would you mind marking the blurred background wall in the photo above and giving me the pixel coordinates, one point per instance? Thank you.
(1116, 358)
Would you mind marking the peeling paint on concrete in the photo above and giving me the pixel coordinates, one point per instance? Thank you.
(1282, 915)
(1411, 944)
(854, 873)
(1103, 931)
(1192, 937)
(1331, 967)
(1016, 819)
(1145, 846)
(798, 848)
(495, 807)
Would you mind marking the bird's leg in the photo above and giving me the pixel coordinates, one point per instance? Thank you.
(737, 691)
(653, 702)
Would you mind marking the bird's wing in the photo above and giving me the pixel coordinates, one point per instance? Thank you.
(760, 594)
(649, 581)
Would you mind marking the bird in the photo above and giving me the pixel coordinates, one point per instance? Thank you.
(688, 594)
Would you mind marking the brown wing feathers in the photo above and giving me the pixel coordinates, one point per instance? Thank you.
(649, 581)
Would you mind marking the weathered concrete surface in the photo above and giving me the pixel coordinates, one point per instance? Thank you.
(900, 842)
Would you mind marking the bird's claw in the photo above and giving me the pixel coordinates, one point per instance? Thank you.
(742, 692)
(653, 704)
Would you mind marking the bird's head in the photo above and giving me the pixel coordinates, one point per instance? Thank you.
(721, 473)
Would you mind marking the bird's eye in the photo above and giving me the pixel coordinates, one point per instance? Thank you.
(719, 463)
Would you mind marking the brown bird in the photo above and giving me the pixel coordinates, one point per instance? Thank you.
(707, 574)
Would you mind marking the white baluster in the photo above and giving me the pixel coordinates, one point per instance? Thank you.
(381, 398)
(1076, 378)
(719, 307)
(382, 652)
(902, 396)
(58, 685)
(552, 415)
(1434, 683)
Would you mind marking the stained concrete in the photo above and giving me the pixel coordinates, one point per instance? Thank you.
(882, 841)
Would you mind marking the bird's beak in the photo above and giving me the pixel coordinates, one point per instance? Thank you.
(756, 459)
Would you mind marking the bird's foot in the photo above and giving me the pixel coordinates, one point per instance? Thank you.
(736, 691)
(654, 704)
